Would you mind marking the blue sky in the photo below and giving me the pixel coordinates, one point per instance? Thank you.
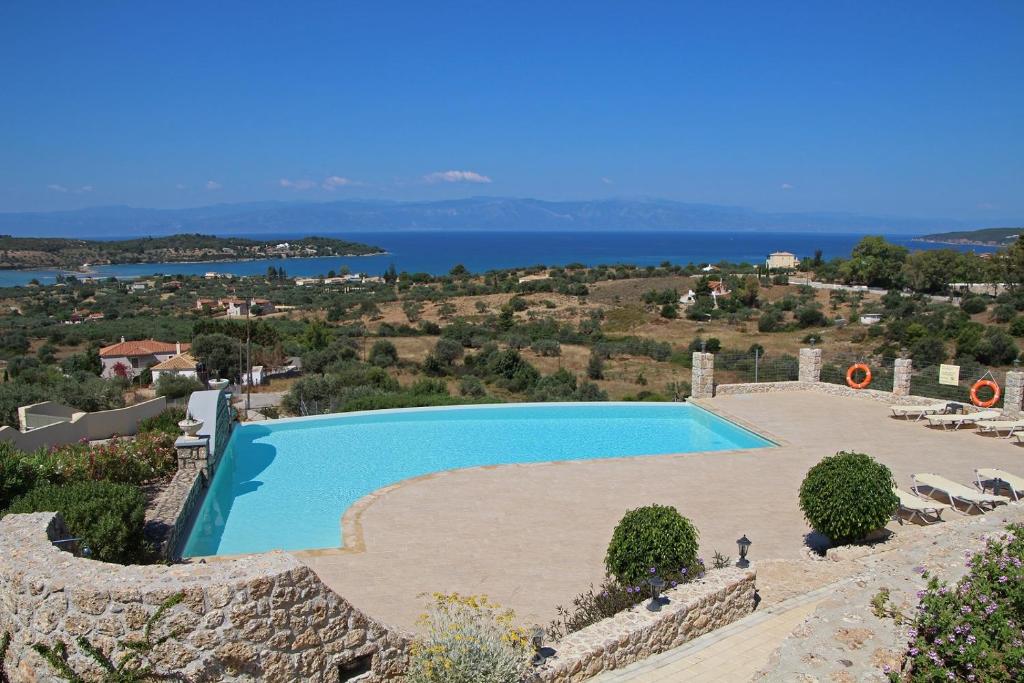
(906, 109)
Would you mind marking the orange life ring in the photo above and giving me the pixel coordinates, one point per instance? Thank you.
(985, 383)
(863, 383)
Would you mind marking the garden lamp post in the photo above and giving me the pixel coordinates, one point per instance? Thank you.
(537, 641)
(657, 585)
(744, 545)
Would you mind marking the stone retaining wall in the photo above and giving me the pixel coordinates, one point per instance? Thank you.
(262, 617)
(825, 388)
(697, 608)
(168, 519)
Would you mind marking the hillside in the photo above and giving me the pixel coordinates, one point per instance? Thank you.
(995, 237)
(55, 252)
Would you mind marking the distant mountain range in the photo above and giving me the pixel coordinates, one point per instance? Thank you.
(476, 213)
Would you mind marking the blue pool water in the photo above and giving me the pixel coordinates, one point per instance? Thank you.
(286, 483)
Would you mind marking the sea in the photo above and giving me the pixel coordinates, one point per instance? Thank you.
(437, 252)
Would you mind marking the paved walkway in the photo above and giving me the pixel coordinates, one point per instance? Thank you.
(533, 536)
(730, 654)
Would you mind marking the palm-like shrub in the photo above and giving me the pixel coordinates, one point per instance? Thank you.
(847, 496)
(649, 538)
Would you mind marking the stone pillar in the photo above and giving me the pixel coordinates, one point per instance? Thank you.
(1014, 394)
(901, 377)
(810, 365)
(702, 379)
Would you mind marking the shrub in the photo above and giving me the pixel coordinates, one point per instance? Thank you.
(166, 422)
(1003, 313)
(129, 461)
(973, 632)
(472, 387)
(973, 304)
(847, 496)
(16, 475)
(595, 366)
(383, 354)
(649, 538)
(1017, 326)
(546, 347)
(107, 517)
(176, 386)
(770, 321)
(995, 347)
(468, 639)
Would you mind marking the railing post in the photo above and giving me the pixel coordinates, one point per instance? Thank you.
(702, 378)
(901, 376)
(810, 365)
(1014, 394)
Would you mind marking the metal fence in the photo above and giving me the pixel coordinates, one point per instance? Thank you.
(834, 367)
(746, 367)
(924, 380)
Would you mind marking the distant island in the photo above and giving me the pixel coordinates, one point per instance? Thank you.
(986, 237)
(55, 252)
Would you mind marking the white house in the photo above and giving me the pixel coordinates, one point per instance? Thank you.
(130, 358)
(782, 260)
(181, 365)
(870, 318)
(688, 299)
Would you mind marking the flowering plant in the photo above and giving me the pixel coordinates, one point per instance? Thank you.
(974, 631)
(468, 639)
(147, 456)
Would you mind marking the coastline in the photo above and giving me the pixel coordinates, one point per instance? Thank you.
(92, 271)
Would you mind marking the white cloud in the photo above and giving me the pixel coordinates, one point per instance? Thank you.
(333, 182)
(787, 186)
(607, 181)
(74, 190)
(180, 186)
(213, 185)
(301, 184)
(456, 177)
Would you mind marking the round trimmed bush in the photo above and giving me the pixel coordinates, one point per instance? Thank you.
(108, 517)
(653, 536)
(847, 496)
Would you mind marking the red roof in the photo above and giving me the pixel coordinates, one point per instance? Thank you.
(142, 347)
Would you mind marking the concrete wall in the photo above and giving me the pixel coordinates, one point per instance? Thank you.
(44, 414)
(90, 426)
(260, 617)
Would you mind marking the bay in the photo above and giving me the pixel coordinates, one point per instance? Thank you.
(437, 252)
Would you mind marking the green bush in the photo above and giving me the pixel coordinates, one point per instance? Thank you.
(847, 496)
(108, 517)
(973, 304)
(16, 475)
(176, 386)
(1017, 326)
(649, 538)
(166, 422)
(973, 632)
(383, 354)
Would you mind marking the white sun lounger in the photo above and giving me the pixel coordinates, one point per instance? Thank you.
(1000, 479)
(920, 411)
(1011, 427)
(958, 421)
(955, 492)
(919, 507)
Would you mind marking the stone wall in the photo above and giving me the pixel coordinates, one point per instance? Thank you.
(901, 375)
(694, 609)
(1014, 394)
(168, 518)
(702, 375)
(261, 617)
(826, 388)
(810, 365)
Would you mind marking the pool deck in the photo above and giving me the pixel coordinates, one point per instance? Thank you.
(533, 536)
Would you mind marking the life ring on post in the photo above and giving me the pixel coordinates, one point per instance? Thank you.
(985, 383)
(864, 382)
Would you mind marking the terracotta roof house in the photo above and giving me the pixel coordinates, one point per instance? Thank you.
(182, 365)
(129, 358)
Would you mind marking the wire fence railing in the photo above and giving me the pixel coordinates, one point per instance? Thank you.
(924, 379)
(748, 367)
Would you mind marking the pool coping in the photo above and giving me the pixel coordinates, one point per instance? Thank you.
(350, 523)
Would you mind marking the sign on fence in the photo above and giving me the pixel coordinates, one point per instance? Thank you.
(949, 374)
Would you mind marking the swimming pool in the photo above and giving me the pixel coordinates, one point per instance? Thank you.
(286, 483)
